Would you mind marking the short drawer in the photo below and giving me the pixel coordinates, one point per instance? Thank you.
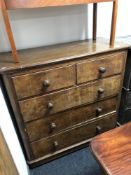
(48, 126)
(71, 137)
(45, 105)
(44, 81)
(100, 67)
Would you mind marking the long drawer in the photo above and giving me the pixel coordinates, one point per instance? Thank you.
(107, 65)
(45, 127)
(73, 136)
(43, 81)
(56, 102)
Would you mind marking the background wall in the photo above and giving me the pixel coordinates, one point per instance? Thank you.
(36, 27)
(47, 26)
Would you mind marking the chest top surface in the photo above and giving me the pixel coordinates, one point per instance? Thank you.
(57, 53)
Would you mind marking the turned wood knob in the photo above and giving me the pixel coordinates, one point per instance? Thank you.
(52, 126)
(98, 129)
(101, 90)
(46, 83)
(50, 105)
(99, 110)
(102, 70)
(56, 144)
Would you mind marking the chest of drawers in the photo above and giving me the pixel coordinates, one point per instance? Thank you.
(67, 96)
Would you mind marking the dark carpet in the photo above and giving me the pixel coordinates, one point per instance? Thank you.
(77, 163)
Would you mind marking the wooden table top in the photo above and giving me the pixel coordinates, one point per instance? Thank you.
(15, 4)
(113, 150)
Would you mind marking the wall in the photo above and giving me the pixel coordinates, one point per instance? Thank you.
(36, 27)
(49, 26)
(52, 25)
(104, 19)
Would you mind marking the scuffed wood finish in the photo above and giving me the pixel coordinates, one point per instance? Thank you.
(47, 126)
(7, 166)
(113, 150)
(68, 119)
(14, 4)
(42, 56)
(43, 81)
(92, 70)
(66, 99)
(72, 136)
(8, 30)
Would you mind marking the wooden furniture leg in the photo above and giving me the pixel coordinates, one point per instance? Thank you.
(9, 31)
(113, 25)
(94, 20)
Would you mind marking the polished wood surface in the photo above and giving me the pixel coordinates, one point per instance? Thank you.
(113, 150)
(113, 23)
(51, 125)
(72, 136)
(58, 53)
(7, 166)
(99, 68)
(66, 99)
(14, 4)
(44, 81)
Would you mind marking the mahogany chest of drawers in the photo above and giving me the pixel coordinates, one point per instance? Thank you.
(63, 95)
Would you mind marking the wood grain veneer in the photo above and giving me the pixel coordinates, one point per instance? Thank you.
(72, 136)
(69, 98)
(113, 150)
(110, 64)
(44, 81)
(47, 126)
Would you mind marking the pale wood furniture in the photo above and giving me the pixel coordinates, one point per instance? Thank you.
(7, 166)
(6, 5)
(113, 150)
(63, 95)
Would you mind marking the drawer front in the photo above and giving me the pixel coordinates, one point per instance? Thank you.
(100, 67)
(48, 104)
(43, 81)
(51, 125)
(73, 136)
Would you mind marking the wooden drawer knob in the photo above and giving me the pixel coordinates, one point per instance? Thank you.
(99, 110)
(46, 83)
(50, 105)
(98, 129)
(52, 126)
(102, 70)
(101, 90)
(56, 144)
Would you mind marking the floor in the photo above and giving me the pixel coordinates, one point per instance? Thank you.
(77, 163)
